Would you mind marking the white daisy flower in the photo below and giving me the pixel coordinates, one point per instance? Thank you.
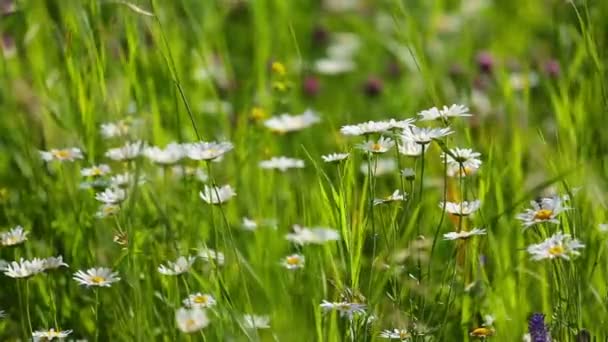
(100, 277)
(111, 196)
(544, 210)
(52, 263)
(24, 268)
(557, 246)
(424, 135)
(395, 196)
(217, 195)
(294, 261)
(282, 163)
(48, 335)
(64, 154)
(380, 167)
(381, 146)
(208, 255)
(2, 314)
(315, 235)
(128, 151)
(199, 300)
(204, 150)
(366, 128)
(463, 235)
(171, 154)
(333, 66)
(396, 334)
(285, 123)
(603, 227)
(120, 128)
(126, 179)
(335, 157)
(345, 309)
(408, 174)
(95, 171)
(15, 236)
(444, 113)
(180, 266)
(411, 148)
(488, 320)
(400, 124)
(429, 114)
(461, 209)
(462, 159)
(191, 320)
(256, 321)
(106, 210)
(252, 225)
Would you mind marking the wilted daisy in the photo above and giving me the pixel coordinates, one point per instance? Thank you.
(204, 150)
(366, 128)
(463, 235)
(461, 209)
(171, 154)
(294, 261)
(100, 277)
(24, 268)
(15, 236)
(48, 335)
(316, 235)
(396, 334)
(64, 154)
(210, 255)
(380, 167)
(557, 246)
(424, 135)
(179, 266)
(345, 309)
(395, 196)
(106, 210)
(111, 195)
(381, 146)
(119, 128)
(444, 113)
(191, 320)
(128, 151)
(464, 160)
(217, 195)
(290, 123)
(282, 163)
(52, 263)
(199, 300)
(256, 321)
(410, 148)
(95, 171)
(544, 210)
(335, 157)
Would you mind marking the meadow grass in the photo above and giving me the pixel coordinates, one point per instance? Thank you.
(531, 72)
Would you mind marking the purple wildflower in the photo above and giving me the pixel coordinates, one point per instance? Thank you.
(538, 329)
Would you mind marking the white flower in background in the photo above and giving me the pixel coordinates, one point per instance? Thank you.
(395, 196)
(557, 246)
(199, 300)
(24, 268)
(120, 128)
(488, 320)
(333, 66)
(210, 255)
(408, 174)
(171, 154)
(396, 334)
(217, 195)
(106, 210)
(410, 148)
(180, 266)
(252, 225)
(424, 135)
(603, 227)
(99, 277)
(366, 128)
(400, 124)
(380, 167)
(315, 235)
(282, 163)
(52, 263)
(463, 159)
(126, 179)
(544, 210)
(444, 113)
(64, 154)
(345, 309)
(128, 151)
(48, 335)
(461, 209)
(15, 236)
(290, 123)
(95, 171)
(293, 262)
(111, 196)
(204, 150)
(2, 314)
(191, 320)
(343, 45)
(463, 235)
(256, 321)
(181, 171)
(335, 157)
(381, 146)
(520, 81)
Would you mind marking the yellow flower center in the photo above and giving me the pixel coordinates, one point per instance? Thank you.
(543, 214)
(556, 250)
(376, 147)
(10, 240)
(258, 113)
(403, 334)
(293, 260)
(97, 279)
(201, 299)
(190, 323)
(110, 209)
(61, 154)
(482, 332)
